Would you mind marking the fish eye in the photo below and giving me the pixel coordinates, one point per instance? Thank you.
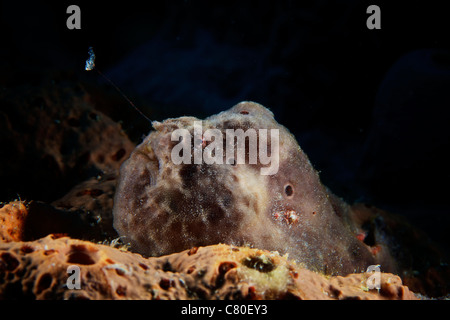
(244, 112)
(288, 190)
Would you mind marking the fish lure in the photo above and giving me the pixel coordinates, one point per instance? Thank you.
(90, 63)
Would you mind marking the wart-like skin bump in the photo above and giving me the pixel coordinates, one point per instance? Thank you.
(161, 207)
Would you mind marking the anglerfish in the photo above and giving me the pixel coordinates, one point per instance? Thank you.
(165, 205)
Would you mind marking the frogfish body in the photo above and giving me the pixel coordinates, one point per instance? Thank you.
(162, 206)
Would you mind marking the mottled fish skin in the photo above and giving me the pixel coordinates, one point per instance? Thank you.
(162, 208)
